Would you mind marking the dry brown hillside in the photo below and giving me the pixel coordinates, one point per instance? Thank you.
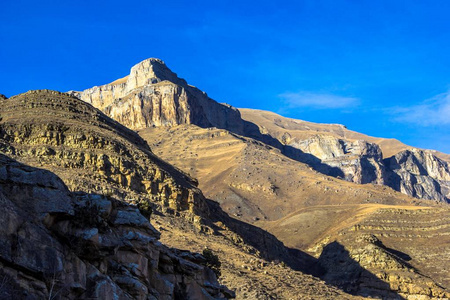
(309, 211)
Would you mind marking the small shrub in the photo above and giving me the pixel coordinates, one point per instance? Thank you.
(145, 208)
(89, 216)
(212, 261)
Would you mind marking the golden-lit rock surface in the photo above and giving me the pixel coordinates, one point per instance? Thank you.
(152, 95)
(91, 152)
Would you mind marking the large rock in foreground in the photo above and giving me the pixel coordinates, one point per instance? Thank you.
(61, 245)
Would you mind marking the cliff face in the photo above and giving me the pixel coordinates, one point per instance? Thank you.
(92, 153)
(420, 174)
(152, 95)
(56, 244)
(417, 173)
(357, 161)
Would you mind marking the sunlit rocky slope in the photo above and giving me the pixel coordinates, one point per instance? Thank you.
(78, 190)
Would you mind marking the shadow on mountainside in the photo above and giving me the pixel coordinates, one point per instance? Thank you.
(347, 274)
(60, 244)
(269, 247)
(334, 266)
(251, 130)
(31, 188)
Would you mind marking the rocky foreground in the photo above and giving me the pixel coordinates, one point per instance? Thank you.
(57, 244)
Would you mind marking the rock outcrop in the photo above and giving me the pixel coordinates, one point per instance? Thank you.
(92, 153)
(415, 172)
(56, 244)
(420, 174)
(357, 161)
(152, 95)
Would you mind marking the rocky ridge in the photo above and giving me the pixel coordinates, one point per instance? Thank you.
(93, 153)
(152, 95)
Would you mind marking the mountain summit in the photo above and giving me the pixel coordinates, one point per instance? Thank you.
(153, 95)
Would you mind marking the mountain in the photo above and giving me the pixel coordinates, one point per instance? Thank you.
(152, 95)
(341, 198)
(338, 151)
(78, 189)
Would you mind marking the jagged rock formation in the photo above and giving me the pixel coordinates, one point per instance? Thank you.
(56, 244)
(92, 153)
(152, 95)
(420, 174)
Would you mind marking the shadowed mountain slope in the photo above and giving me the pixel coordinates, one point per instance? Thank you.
(299, 180)
(307, 210)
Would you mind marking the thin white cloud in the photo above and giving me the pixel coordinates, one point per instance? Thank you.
(434, 111)
(317, 100)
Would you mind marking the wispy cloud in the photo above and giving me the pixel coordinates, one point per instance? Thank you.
(434, 111)
(317, 100)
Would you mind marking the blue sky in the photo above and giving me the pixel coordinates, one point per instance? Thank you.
(378, 67)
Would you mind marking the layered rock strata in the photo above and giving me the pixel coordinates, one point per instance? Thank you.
(152, 95)
(91, 152)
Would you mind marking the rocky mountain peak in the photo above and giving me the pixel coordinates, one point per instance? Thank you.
(151, 71)
(153, 95)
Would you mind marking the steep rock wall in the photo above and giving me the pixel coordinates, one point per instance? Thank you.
(152, 95)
